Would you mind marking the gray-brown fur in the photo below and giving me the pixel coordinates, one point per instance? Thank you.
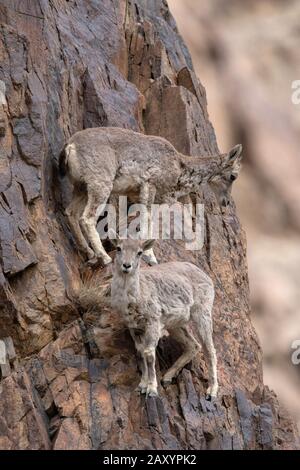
(163, 297)
(102, 162)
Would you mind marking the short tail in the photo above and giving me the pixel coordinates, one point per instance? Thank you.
(63, 162)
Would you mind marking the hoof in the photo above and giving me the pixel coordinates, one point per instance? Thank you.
(106, 261)
(94, 262)
(166, 382)
(151, 394)
(97, 262)
(210, 397)
(141, 389)
(211, 393)
(153, 262)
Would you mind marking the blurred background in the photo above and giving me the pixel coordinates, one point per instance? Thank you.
(247, 54)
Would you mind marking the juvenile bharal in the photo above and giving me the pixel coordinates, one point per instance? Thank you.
(163, 297)
(104, 162)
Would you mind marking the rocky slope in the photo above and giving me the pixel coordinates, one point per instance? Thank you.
(66, 65)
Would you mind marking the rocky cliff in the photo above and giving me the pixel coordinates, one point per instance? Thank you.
(69, 384)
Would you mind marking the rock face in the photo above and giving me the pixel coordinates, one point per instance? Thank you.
(68, 65)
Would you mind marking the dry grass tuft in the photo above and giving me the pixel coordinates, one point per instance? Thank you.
(93, 293)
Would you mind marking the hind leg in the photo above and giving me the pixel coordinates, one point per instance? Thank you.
(97, 198)
(73, 212)
(202, 315)
(190, 349)
(210, 357)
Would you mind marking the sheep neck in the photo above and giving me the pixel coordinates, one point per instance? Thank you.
(126, 287)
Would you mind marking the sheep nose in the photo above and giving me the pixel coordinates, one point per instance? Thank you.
(126, 265)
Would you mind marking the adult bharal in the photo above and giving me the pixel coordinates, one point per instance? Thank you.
(163, 297)
(111, 161)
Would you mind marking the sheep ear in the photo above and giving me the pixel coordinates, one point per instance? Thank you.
(113, 236)
(235, 154)
(147, 245)
(233, 160)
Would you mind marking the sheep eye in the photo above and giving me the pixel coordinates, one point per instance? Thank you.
(140, 253)
(233, 177)
(118, 248)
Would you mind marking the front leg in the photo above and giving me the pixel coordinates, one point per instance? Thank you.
(142, 386)
(149, 355)
(150, 341)
(146, 344)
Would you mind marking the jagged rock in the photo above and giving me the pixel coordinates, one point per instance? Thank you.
(117, 65)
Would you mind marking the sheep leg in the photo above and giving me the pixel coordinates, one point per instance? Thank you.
(205, 328)
(114, 201)
(150, 340)
(147, 197)
(211, 360)
(149, 255)
(95, 205)
(149, 357)
(190, 349)
(73, 212)
(202, 316)
(142, 387)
